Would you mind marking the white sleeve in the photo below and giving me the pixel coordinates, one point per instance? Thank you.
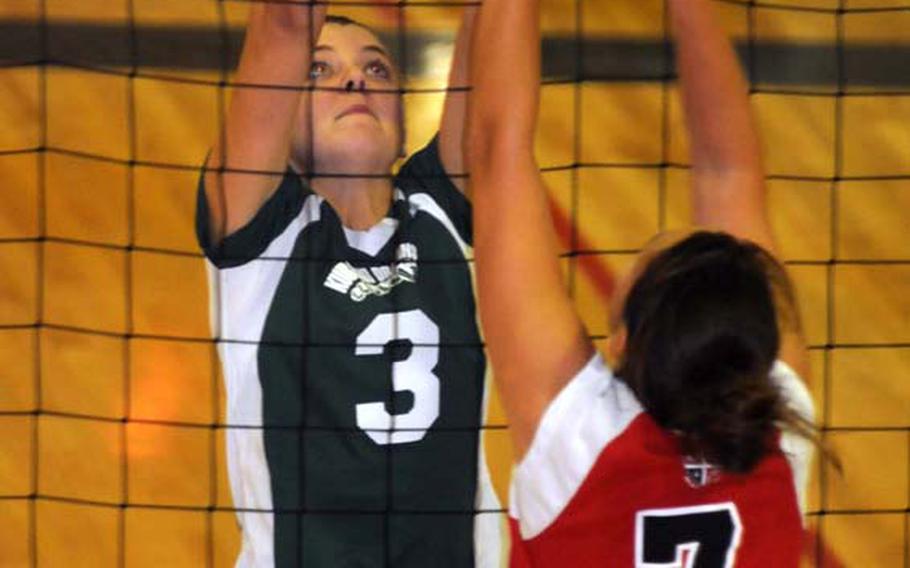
(796, 448)
(590, 411)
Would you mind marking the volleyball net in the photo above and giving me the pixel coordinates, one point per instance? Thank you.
(112, 415)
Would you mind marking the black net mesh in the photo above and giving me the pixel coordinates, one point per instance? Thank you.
(112, 405)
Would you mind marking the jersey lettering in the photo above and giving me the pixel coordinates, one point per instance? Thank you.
(362, 283)
(705, 536)
(414, 374)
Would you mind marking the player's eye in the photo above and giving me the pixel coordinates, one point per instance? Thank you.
(378, 68)
(319, 69)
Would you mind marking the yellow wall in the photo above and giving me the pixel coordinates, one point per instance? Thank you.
(125, 332)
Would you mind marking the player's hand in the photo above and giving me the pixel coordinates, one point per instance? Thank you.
(301, 15)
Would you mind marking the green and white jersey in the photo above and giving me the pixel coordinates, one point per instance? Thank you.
(355, 379)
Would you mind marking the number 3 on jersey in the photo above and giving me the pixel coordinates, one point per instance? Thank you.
(704, 536)
(414, 374)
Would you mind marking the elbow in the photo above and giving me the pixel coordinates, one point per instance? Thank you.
(745, 171)
(482, 147)
(735, 152)
(494, 144)
(727, 169)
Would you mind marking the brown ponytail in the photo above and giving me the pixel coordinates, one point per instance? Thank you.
(702, 338)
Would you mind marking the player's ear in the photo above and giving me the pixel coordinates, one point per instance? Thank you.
(402, 129)
(616, 345)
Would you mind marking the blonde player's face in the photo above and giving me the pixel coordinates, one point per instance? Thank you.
(356, 108)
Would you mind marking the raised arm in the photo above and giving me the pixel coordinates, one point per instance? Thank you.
(535, 340)
(454, 110)
(260, 121)
(729, 192)
(727, 173)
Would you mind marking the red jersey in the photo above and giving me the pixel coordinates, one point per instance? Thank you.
(603, 485)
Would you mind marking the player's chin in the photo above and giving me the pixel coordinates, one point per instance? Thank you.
(369, 150)
(359, 138)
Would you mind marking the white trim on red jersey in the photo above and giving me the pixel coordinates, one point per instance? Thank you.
(591, 411)
(796, 448)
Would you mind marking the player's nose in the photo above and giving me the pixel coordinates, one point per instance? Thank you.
(354, 79)
(355, 85)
